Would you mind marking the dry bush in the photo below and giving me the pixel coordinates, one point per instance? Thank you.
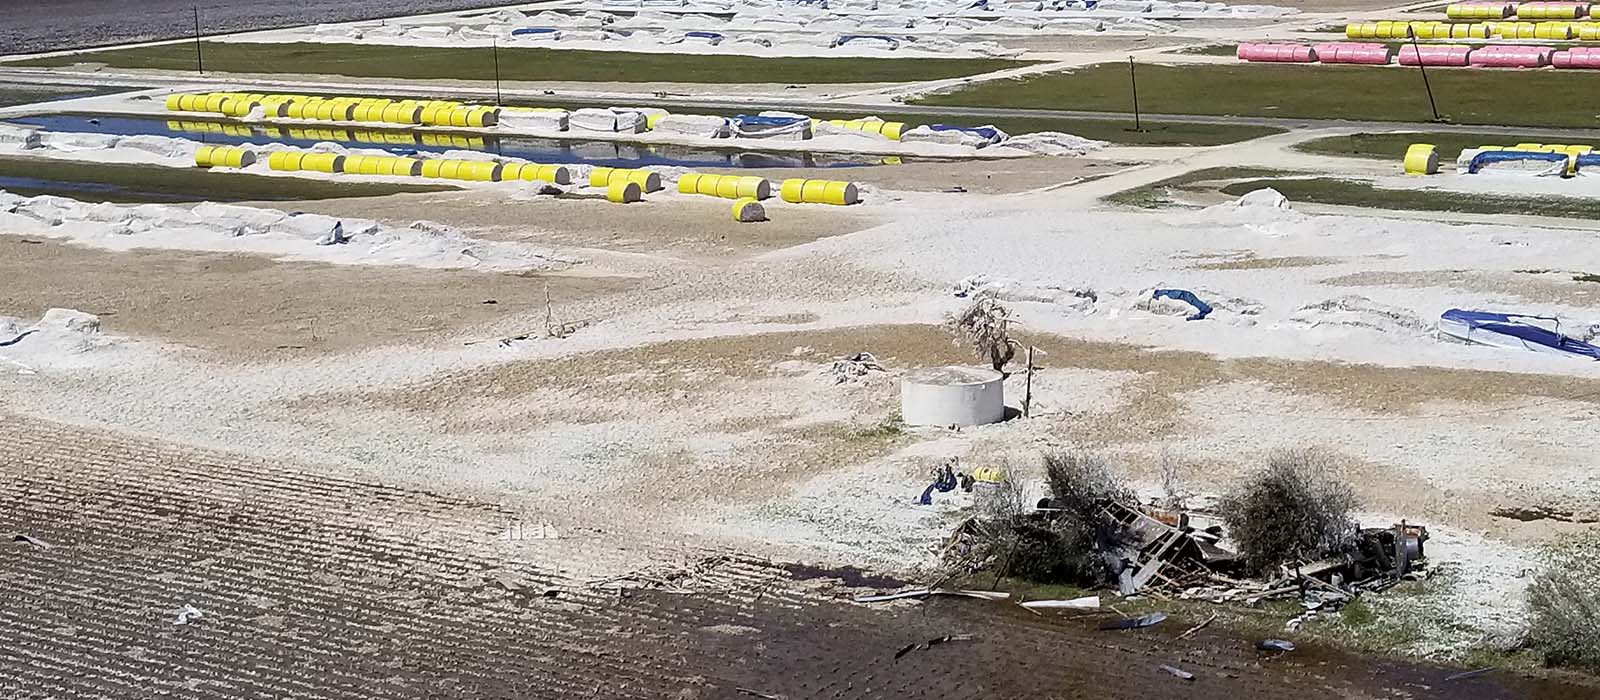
(1564, 609)
(1076, 540)
(984, 326)
(1072, 542)
(1292, 509)
(1175, 473)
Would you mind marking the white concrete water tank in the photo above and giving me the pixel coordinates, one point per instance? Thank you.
(952, 396)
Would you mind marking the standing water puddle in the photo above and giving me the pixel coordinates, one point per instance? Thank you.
(403, 142)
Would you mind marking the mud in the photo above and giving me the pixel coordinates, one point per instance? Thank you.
(319, 587)
(53, 25)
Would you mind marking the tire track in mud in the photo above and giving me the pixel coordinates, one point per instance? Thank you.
(322, 588)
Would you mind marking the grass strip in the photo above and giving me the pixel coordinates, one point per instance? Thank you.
(1467, 96)
(1354, 193)
(130, 184)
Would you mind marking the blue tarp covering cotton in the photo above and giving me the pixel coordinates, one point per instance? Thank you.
(752, 120)
(1487, 157)
(1202, 309)
(987, 132)
(1514, 331)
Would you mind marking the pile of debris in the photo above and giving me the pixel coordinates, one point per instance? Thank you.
(1183, 554)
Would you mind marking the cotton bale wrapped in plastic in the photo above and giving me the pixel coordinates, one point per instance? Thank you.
(322, 162)
(805, 191)
(224, 157)
(748, 210)
(624, 191)
(648, 181)
(1422, 159)
(535, 172)
(284, 160)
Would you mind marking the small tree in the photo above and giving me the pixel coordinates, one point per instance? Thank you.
(984, 326)
(1292, 509)
(1564, 608)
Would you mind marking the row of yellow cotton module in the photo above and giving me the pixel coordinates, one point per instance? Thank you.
(1559, 31)
(396, 138)
(349, 109)
(889, 130)
(1525, 10)
(437, 168)
(1570, 149)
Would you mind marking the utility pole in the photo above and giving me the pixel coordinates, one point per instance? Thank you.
(1133, 80)
(1431, 104)
(494, 46)
(199, 58)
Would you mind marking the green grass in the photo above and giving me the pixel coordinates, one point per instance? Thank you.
(1325, 190)
(14, 94)
(1157, 194)
(526, 64)
(1514, 97)
(149, 183)
(1393, 146)
(1385, 625)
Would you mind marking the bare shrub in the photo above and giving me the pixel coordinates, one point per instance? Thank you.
(1174, 472)
(1292, 509)
(1073, 541)
(984, 326)
(1077, 540)
(1564, 609)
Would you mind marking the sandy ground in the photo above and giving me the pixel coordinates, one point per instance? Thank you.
(978, 176)
(271, 309)
(692, 227)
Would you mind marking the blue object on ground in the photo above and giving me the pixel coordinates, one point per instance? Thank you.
(1513, 331)
(1202, 309)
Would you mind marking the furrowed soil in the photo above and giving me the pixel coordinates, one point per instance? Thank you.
(316, 586)
(54, 25)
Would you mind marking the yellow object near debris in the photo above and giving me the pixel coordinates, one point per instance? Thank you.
(1422, 159)
(992, 475)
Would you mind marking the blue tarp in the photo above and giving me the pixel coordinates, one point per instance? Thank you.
(746, 119)
(1507, 330)
(1588, 159)
(1202, 309)
(533, 30)
(987, 132)
(702, 35)
(1487, 157)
